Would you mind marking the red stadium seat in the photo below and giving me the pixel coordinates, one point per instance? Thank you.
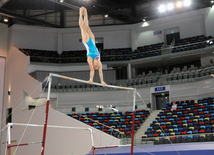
(164, 127)
(201, 123)
(179, 122)
(201, 131)
(207, 115)
(155, 135)
(182, 118)
(184, 133)
(128, 132)
(105, 130)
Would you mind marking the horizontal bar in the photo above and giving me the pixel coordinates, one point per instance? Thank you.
(175, 136)
(94, 83)
(23, 144)
(51, 126)
(111, 146)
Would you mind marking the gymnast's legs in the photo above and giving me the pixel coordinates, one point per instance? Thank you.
(84, 26)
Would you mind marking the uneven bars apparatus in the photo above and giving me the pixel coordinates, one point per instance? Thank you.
(49, 79)
(38, 125)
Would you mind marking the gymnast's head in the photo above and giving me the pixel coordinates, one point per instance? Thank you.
(96, 64)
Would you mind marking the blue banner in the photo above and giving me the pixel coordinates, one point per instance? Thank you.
(157, 32)
(160, 88)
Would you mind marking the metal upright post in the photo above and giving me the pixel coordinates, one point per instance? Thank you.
(46, 114)
(133, 122)
(9, 139)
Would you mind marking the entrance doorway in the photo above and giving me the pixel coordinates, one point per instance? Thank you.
(159, 100)
(170, 37)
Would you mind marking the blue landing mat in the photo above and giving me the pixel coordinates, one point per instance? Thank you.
(204, 148)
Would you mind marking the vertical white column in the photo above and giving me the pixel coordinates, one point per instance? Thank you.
(8, 132)
(133, 39)
(59, 43)
(129, 71)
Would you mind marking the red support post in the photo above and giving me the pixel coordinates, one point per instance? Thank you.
(93, 148)
(132, 142)
(45, 128)
(9, 150)
(9, 146)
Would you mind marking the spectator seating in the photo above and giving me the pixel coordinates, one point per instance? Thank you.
(118, 54)
(42, 55)
(112, 122)
(191, 121)
(148, 50)
(192, 72)
(144, 79)
(192, 43)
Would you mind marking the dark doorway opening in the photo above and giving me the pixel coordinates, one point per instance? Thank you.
(161, 100)
(170, 37)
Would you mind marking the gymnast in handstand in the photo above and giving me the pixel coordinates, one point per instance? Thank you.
(88, 39)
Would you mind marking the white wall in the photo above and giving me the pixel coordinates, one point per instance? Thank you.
(189, 24)
(209, 21)
(3, 39)
(35, 37)
(113, 37)
(58, 141)
(197, 22)
(2, 71)
(185, 91)
(19, 83)
(205, 59)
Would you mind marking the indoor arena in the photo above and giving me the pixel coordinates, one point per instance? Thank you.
(106, 77)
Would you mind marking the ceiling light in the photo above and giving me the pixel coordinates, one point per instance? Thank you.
(61, 1)
(144, 20)
(179, 4)
(187, 2)
(106, 16)
(5, 19)
(170, 6)
(145, 24)
(211, 1)
(162, 8)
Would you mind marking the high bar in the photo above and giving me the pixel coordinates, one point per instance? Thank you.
(94, 83)
(51, 126)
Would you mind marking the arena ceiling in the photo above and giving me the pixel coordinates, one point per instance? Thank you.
(64, 13)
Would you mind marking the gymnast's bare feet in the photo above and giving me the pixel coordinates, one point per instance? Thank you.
(103, 83)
